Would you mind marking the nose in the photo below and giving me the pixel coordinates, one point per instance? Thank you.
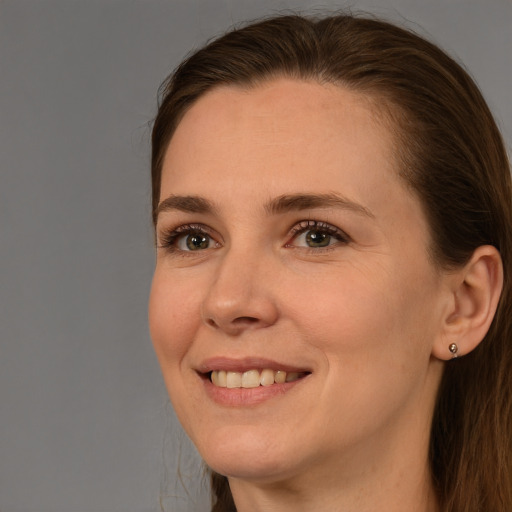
(240, 296)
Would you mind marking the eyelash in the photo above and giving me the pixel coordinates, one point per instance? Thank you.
(321, 227)
(169, 240)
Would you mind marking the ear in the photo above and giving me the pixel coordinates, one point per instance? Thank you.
(474, 294)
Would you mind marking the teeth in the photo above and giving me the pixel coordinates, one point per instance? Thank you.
(267, 378)
(252, 378)
(280, 377)
(222, 378)
(234, 380)
(219, 378)
(290, 377)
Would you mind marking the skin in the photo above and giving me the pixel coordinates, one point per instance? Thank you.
(365, 315)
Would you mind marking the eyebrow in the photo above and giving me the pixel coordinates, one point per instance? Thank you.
(297, 202)
(279, 205)
(187, 204)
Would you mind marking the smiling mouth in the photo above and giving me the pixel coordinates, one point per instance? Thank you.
(253, 378)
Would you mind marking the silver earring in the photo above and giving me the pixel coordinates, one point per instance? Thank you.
(453, 349)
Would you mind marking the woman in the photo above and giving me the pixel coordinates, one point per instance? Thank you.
(331, 304)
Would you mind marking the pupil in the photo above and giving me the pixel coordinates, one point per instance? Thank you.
(318, 239)
(197, 241)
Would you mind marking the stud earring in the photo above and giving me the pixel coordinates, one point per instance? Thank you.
(453, 349)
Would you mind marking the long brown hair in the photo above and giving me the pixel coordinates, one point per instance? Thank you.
(452, 156)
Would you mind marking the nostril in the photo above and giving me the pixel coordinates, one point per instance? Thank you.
(236, 324)
(245, 320)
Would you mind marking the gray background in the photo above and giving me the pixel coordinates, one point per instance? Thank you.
(85, 424)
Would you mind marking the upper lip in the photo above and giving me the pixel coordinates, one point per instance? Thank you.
(245, 364)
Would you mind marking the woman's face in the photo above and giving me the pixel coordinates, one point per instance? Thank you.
(288, 243)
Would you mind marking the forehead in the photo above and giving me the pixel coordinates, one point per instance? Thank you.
(240, 149)
(279, 127)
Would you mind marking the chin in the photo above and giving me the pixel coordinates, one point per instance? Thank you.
(250, 454)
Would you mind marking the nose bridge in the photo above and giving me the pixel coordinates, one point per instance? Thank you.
(240, 295)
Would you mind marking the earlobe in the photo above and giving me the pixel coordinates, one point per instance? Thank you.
(475, 292)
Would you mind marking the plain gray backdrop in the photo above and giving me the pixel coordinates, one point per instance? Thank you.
(85, 424)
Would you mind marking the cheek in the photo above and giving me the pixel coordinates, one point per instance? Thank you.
(340, 307)
(364, 313)
(173, 318)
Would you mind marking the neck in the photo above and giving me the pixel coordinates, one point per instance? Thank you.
(393, 489)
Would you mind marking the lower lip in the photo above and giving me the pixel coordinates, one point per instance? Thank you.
(242, 397)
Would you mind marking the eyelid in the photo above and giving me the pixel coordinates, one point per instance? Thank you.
(309, 224)
(167, 237)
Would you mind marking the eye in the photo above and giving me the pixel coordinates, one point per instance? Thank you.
(187, 238)
(313, 234)
(314, 238)
(194, 241)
